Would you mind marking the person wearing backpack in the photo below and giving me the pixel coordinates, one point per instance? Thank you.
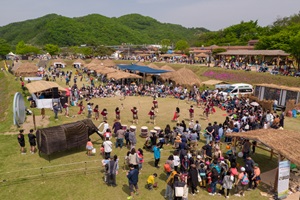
(241, 183)
(169, 165)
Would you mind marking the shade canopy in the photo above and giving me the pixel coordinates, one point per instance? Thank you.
(285, 142)
(122, 75)
(142, 69)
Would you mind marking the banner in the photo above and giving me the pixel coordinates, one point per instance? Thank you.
(283, 179)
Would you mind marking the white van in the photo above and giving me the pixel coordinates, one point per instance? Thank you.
(238, 89)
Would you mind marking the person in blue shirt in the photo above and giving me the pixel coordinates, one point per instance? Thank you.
(156, 152)
(133, 179)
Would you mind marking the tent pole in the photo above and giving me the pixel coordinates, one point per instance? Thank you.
(277, 174)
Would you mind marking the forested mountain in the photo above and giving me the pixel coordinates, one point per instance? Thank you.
(96, 29)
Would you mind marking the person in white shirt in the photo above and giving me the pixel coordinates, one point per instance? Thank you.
(107, 144)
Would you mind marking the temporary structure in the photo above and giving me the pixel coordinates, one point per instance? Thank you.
(183, 76)
(105, 70)
(122, 75)
(167, 67)
(58, 63)
(26, 69)
(66, 136)
(153, 66)
(283, 142)
(40, 86)
(78, 63)
(108, 63)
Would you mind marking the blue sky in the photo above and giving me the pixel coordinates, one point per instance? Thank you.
(210, 14)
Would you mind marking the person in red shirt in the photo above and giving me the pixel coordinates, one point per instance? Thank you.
(191, 111)
(104, 114)
(135, 118)
(117, 111)
(81, 108)
(155, 104)
(96, 112)
(152, 115)
(176, 115)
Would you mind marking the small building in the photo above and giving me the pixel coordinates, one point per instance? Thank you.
(277, 92)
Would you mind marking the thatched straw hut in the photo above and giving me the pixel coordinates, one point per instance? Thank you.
(58, 60)
(186, 77)
(167, 67)
(141, 63)
(284, 142)
(78, 63)
(26, 69)
(108, 63)
(122, 75)
(153, 66)
(105, 70)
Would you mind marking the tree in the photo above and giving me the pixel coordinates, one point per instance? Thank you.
(24, 49)
(4, 47)
(182, 45)
(165, 44)
(295, 48)
(52, 49)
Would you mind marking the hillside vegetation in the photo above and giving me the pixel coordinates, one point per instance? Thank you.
(95, 29)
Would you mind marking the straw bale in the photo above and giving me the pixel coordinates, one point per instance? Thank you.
(285, 142)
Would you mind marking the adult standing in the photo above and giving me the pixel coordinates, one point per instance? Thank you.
(133, 158)
(191, 111)
(176, 115)
(281, 118)
(21, 141)
(107, 144)
(120, 137)
(133, 178)
(116, 126)
(249, 169)
(132, 139)
(209, 133)
(104, 114)
(193, 178)
(90, 110)
(197, 128)
(112, 170)
(152, 115)
(32, 141)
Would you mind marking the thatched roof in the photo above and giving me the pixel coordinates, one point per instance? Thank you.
(121, 75)
(282, 87)
(186, 76)
(39, 86)
(108, 63)
(153, 66)
(96, 61)
(167, 67)
(26, 69)
(201, 55)
(212, 82)
(169, 75)
(254, 53)
(16, 65)
(105, 70)
(285, 142)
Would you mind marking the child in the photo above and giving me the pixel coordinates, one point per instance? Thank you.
(227, 184)
(151, 182)
(102, 151)
(141, 158)
(104, 114)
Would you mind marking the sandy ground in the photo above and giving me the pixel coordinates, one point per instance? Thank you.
(29, 124)
(269, 178)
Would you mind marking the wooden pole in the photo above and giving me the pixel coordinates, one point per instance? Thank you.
(34, 123)
(277, 174)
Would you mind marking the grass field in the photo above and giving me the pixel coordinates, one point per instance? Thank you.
(73, 175)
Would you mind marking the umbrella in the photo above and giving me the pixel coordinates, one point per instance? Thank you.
(254, 104)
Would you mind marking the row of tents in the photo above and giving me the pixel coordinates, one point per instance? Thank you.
(183, 76)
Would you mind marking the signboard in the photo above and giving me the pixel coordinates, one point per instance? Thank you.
(283, 179)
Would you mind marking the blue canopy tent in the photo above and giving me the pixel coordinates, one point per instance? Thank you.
(143, 69)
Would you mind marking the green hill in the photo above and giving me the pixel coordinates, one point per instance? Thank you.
(96, 29)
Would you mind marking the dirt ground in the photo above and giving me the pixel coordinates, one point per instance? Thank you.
(29, 124)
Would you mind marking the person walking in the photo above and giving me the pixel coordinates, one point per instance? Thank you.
(96, 112)
(107, 144)
(193, 179)
(133, 178)
(155, 104)
(152, 115)
(32, 141)
(56, 110)
(104, 114)
(117, 111)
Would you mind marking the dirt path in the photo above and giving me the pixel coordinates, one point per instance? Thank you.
(29, 124)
